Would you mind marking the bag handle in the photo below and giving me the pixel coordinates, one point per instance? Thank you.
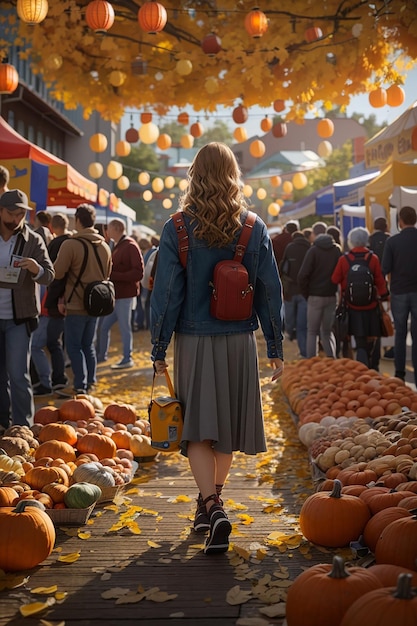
(84, 264)
(244, 237)
(168, 382)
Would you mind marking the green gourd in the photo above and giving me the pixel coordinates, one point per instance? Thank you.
(82, 495)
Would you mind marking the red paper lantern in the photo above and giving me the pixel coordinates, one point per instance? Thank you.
(9, 78)
(99, 16)
(152, 17)
(196, 129)
(279, 130)
(279, 105)
(211, 44)
(183, 118)
(312, 34)
(132, 135)
(146, 117)
(240, 114)
(256, 23)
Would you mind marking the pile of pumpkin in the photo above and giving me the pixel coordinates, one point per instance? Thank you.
(72, 454)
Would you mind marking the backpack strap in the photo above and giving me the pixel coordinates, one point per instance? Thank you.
(182, 234)
(244, 236)
(84, 264)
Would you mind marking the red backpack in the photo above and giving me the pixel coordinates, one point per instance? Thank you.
(232, 293)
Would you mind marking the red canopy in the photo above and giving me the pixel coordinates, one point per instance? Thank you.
(66, 186)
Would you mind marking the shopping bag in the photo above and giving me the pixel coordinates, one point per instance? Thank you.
(165, 419)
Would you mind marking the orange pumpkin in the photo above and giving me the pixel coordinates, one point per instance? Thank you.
(388, 574)
(76, 409)
(397, 543)
(379, 521)
(8, 495)
(122, 439)
(100, 445)
(58, 431)
(56, 491)
(38, 477)
(56, 449)
(46, 415)
(120, 412)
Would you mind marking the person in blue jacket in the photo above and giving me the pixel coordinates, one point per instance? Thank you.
(216, 373)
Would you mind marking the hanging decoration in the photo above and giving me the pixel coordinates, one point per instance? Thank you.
(54, 61)
(261, 193)
(211, 85)
(164, 142)
(266, 124)
(99, 16)
(117, 78)
(279, 105)
(147, 195)
(395, 96)
(167, 203)
(256, 23)
(169, 182)
(123, 148)
(240, 134)
(324, 149)
(247, 191)
(139, 66)
(312, 34)
(257, 148)
(9, 78)
(240, 114)
(157, 184)
(98, 142)
(183, 184)
(132, 135)
(144, 178)
(152, 17)
(211, 45)
(196, 129)
(287, 187)
(146, 117)
(114, 170)
(299, 180)
(279, 130)
(378, 97)
(32, 11)
(276, 181)
(274, 209)
(325, 128)
(184, 67)
(123, 183)
(187, 141)
(183, 118)
(148, 133)
(95, 170)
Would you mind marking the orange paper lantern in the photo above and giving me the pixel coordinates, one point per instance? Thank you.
(279, 105)
(123, 148)
(378, 98)
(197, 129)
(146, 117)
(99, 16)
(98, 142)
(187, 141)
(395, 96)
(266, 124)
(183, 118)
(257, 148)
(32, 11)
(256, 23)
(312, 34)
(325, 128)
(9, 78)
(240, 134)
(152, 17)
(164, 141)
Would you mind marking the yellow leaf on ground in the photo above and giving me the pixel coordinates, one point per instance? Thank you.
(246, 519)
(34, 608)
(69, 558)
(84, 535)
(236, 595)
(45, 590)
(182, 498)
(152, 544)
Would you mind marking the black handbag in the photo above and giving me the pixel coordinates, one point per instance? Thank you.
(341, 321)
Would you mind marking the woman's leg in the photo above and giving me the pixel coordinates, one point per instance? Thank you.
(208, 467)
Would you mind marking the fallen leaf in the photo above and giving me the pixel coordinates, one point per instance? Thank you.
(45, 622)
(45, 590)
(152, 544)
(275, 610)
(236, 595)
(161, 596)
(115, 592)
(69, 558)
(34, 608)
(84, 535)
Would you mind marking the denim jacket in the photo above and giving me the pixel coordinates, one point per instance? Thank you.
(180, 299)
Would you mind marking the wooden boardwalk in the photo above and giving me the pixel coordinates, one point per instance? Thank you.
(139, 561)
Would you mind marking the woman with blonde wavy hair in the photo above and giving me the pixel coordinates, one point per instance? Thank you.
(216, 374)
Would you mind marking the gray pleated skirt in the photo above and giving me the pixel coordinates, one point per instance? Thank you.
(217, 380)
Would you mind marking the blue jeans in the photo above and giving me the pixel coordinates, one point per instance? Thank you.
(39, 356)
(55, 346)
(122, 314)
(15, 384)
(79, 342)
(320, 319)
(402, 306)
(296, 317)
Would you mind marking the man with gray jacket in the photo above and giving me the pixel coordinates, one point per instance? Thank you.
(24, 265)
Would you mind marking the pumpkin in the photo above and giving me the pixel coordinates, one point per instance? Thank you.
(94, 473)
(27, 536)
(59, 432)
(55, 449)
(100, 445)
(15, 445)
(140, 445)
(120, 412)
(379, 521)
(76, 409)
(381, 501)
(388, 574)
(322, 594)
(9, 464)
(409, 503)
(332, 519)
(24, 432)
(122, 439)
(385, 607)
(46, 415)
(397, 543)
(40, 476)
(56, 491)
(7, 496)
(82, 495)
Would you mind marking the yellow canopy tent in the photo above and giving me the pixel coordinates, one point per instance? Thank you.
(380, 189)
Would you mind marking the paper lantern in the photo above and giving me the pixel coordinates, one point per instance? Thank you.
(276, 181)
(132, 135)
(114, 170)
(164, 141)
(157, 184)
(103, 197)
(169, 182)
(183, 184)
(123, 148)
(240, 134)
(183, 118)
(395, 96)
(324, 149)
(148, 133)
(147, 195)
(280, 202)
(146, 117)
(287, 186)
(240, 114)
(279, 130)
(144, 178)
(211, 85)
(32, 11)
(152, 17)
(187, 141)
(266, 124)
(247, 191)
(99, 16)
(9, 78)
(378, 97)
(299, 180)
(98, 142)
(312, 34)
(256, 23)
(279, 105)
(261, 193)
(167, 203)
(211, 44)
(274, 209)
(117, 78)
(184, 67)
(257, 148)
(325, 128)
(95, 170)
(197, 129)
(123, 183)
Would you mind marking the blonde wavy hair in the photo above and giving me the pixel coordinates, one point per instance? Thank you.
(214, 195)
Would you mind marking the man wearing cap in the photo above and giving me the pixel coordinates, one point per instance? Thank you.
(24, 264)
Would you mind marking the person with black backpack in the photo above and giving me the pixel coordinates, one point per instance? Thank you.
(358, 272)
